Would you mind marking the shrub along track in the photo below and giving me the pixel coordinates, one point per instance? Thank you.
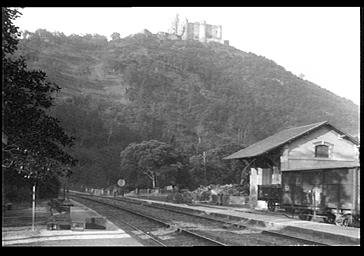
(217, 229)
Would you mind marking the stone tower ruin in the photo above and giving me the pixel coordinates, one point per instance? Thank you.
(199, 31)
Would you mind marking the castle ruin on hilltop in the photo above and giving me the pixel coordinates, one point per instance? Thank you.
(199, 31)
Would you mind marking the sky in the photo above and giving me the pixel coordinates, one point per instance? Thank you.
(322, 43)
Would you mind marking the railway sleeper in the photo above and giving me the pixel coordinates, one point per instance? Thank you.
(179, 229)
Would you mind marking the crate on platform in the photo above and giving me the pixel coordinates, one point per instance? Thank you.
(95, 223)
(59, 222)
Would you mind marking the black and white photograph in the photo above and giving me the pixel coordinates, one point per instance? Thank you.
(180, 126)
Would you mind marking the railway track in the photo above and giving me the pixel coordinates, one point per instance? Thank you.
(226, 222)
(239, 225)
(144, 228)
(220, 232)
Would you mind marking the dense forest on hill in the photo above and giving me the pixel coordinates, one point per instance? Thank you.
(197, 97)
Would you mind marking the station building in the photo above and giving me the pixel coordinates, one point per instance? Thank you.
(316, 157)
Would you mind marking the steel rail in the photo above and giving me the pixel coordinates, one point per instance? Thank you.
(204, 237)
(294, 238)
(226, 222)
(162, 222)
(177, 211)
(239, 225)
(128, 224)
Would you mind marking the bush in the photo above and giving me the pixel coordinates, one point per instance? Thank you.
(187, 197)
(180, 197)
(16, 188)
(19, 189)
(205, 196)
(19, 194)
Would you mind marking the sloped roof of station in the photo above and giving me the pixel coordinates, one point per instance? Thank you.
(279, 139)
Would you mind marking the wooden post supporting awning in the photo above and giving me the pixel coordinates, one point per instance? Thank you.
(247, 165)
(356, 191)
(4, 138)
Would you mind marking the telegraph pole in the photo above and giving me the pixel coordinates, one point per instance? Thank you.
(33, 208)
(204, 165)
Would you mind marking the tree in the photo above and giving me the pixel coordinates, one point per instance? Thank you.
(150, 158)
(36, 143)
(217, 170)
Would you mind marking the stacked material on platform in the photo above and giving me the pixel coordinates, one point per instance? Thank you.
(206, 193)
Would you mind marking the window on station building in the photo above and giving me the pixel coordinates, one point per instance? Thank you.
(322, 151)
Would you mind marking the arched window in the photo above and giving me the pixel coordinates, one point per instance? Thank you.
(322, 151)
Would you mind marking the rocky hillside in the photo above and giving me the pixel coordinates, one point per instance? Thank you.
(196, 95)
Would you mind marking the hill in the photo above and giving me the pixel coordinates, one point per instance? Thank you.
(197, 96)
